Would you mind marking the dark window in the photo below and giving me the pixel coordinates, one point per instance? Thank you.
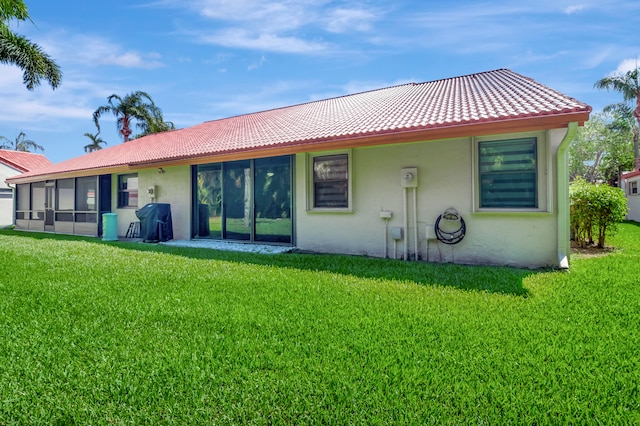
(331, 181)
(86, 194)
(128, 191)
(508, 173)
(633, 188)
(65, 195)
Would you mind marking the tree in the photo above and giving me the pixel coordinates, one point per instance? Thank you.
(595, 209)
(26, 55)
(154, 123)
(96, 140)
(136, 106)
(628, 84)
(623, 137)
(602, 148)
(20, 144)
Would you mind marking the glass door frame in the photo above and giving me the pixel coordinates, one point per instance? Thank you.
(223, 167)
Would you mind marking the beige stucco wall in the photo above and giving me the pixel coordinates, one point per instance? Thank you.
(446, 179)
(172, 187)
(6, 204)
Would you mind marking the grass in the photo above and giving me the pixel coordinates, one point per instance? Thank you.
(264, 226)
(121, 333)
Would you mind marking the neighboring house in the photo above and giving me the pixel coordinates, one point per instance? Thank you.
(631, 181)
(13, 163)
(368, 174)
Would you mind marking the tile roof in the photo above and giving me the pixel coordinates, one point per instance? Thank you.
(23, 161)
(484, 98)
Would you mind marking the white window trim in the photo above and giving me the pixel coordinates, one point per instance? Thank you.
(629, 190)
(119, 191)
(544, 184)
(310, 195)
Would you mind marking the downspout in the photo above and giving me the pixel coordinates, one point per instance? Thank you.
(564, 220)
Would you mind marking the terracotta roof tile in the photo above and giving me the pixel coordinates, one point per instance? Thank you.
(23, 161)
(480, 98)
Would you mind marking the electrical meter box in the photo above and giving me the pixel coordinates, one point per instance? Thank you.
(409, 177)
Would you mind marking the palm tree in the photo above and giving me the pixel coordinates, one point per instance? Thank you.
(20, 144)
(17, 50)
(629, 85)
(154, 123)
(96, 140)
(137, 105)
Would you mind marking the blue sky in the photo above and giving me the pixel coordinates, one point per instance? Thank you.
(207, 59)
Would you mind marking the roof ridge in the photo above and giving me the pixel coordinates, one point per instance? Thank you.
(346, 95)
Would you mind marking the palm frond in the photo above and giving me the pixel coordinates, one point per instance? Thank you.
(30, 58)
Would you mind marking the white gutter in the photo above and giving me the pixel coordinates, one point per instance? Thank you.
(564, 224)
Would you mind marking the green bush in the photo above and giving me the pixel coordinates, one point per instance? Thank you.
(595, 209)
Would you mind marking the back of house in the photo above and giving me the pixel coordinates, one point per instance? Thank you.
(470, 169)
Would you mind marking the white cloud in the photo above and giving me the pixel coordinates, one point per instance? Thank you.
(574, 9)
(345, 20)
(627, 65)
(285, 26)
(240, 38)
(93, 50)
(280, 15)
(257, 64)
(18, 105)
(596, 57)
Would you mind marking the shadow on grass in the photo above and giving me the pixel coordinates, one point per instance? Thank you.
(493, 279)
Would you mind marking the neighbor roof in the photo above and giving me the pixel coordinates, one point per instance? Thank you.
(23, 161)
(490, 102)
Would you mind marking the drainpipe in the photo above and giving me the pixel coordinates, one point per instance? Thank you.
(564, 224)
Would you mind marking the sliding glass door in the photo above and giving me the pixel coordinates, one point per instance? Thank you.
(248, 200)
(209, 201)
(236, 200)
(272, 198)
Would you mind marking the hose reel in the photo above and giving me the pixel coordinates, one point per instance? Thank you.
(452, 228)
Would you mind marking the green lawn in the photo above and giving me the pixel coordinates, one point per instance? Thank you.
(124, 333)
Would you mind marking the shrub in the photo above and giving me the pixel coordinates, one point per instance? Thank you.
(595, 209)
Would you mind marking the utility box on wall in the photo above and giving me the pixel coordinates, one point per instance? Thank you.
(409, 177)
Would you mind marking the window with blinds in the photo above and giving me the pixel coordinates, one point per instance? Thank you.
(128, 191)
(508, 173)
(331, 181)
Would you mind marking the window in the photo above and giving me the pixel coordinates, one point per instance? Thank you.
(330, 183)
(128, 191)
(86, 194)
(65, 194)
(37, 201)
(86, 199)
(633, 188)
(508, 173)
(23, 193)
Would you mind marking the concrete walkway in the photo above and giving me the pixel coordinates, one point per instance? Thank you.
(230, 246)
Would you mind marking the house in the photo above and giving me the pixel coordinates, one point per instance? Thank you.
(13, 163)
(630, 185)
(484, 156)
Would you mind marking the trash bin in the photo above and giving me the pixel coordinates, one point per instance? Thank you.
(109, 227)
(155, 222)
